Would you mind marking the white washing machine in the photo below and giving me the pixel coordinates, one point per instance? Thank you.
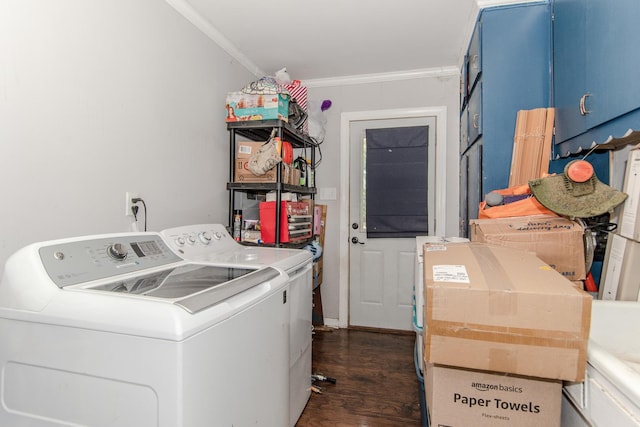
(610, 394)
(118, 330)
(212, 244)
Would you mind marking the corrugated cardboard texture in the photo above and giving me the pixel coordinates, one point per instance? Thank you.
(555, 240)
(461, 398)
(516, 314)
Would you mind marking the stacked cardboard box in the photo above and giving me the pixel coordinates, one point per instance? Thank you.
(555, 240)
(500, 317)
(464, 397)
(242, 107)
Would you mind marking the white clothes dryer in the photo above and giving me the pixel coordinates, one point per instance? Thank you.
(212, 244)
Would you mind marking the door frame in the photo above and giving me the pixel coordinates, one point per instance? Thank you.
(439, 113)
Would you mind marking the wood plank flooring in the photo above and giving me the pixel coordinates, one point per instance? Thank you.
(376, 383)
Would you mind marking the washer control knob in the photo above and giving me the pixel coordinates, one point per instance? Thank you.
(205, 238)
(117, 251)
(191, 239)
(217, 235)
(180, 241)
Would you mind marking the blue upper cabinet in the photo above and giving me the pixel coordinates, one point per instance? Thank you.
(569, 69)
(596, 57)
(507, 68)
(474, 58)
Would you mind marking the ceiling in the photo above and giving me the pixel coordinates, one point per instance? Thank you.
(334, 39)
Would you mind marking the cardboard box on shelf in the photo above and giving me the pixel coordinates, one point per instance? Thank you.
(244, 150)
(295, 176)
(555, 240)
(630, 216)
(241, 107)
(462, 397)
(503, 310)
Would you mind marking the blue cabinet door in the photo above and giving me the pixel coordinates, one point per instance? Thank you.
(475, 113)
(569, 67)
(613, 58)
(471, 192)
(508, 64)
(474, 58)
(596, 63)
(516, 66)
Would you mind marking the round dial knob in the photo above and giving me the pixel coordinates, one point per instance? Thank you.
(217, 235)
(117, 251)
(180, 241)
(191, 239)
(205, 238)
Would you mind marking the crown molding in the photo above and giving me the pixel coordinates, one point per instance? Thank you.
(490, 3)
(384, 77)
(186, 10)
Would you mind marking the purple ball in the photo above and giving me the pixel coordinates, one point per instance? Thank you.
(326, 104)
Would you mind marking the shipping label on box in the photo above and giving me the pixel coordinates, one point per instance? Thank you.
(462, 398)
(630, 217)
(242, 106)
(503, 310)
(555, 240)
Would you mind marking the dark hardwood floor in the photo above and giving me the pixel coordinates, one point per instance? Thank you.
(376, 383)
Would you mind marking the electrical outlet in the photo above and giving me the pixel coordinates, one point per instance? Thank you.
(128, 203)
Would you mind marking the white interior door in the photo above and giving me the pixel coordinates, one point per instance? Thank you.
(381, 270)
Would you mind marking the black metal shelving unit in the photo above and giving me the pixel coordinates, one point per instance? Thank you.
(260, 130)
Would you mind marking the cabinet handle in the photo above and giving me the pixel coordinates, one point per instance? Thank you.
(583, 101)
(474, 62)
(476, 121)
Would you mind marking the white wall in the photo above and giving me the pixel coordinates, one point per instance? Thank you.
(434, 91)
(102, 97)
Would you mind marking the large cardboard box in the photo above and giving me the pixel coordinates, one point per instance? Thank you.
(630, 217)
(241, 107)
(462, 398)
(555, 240)
(503, 310)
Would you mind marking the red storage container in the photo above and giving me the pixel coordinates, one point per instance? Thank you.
(295, 221)
(268, 222)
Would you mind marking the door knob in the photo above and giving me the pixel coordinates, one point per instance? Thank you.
(355, 240)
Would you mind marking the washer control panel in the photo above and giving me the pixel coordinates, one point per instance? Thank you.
(82, 261)
(196, 240)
